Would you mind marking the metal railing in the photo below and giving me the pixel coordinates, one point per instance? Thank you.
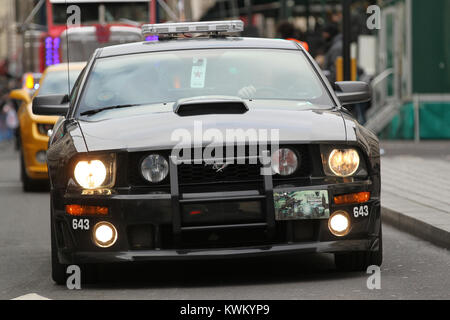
(379, 79)
(381, 112)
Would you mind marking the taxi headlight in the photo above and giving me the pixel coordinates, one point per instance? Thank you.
(284, 162)
(343, 162)
(45, 129)
(154, 168)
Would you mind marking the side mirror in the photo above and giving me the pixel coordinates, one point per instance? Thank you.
(20, 94)
(51, 105)
(351, 92)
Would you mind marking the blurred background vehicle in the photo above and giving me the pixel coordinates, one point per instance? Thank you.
(30, 81)
(410, 79)
(57, 37)
(34, 130)
(34, 35)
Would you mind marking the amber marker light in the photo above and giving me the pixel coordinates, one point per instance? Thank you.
(29, 81)
(79, 210)
(352, 198)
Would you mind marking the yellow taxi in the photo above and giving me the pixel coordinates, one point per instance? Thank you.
(34, 130)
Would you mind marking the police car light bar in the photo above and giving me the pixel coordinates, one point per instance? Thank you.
(193, 27)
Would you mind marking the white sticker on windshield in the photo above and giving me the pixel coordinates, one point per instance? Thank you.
(198, 73)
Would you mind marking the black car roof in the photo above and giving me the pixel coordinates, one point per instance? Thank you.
(196, 43)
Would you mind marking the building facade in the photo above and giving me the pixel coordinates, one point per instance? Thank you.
(414, 42)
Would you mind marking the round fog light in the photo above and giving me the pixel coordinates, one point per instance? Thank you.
(105, 234)
(154, 168)
(339, 223)
(41, 156)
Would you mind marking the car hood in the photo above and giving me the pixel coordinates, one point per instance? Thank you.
(161, 128)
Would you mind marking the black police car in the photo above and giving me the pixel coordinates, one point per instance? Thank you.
(210, 146)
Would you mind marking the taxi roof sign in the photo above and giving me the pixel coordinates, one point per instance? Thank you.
(209, 27)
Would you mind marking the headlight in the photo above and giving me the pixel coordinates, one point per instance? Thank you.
(284, 162)
(343, 162)
(90, 174)
(45, 129)
(154, 168)
(97, 173)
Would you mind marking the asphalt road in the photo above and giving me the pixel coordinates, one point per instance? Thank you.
(412, 269)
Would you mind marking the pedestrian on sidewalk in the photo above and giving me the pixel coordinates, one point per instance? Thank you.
(288, 31)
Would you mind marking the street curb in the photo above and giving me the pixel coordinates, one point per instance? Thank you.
(416, 227)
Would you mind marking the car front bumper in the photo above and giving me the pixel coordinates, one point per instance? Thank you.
(157, 226)
(32, 143)
(82, 257)
(156, 210)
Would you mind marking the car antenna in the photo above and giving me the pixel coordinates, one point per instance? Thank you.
(76, 23)
(67, 48)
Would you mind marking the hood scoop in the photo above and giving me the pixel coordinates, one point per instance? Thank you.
(210, 105)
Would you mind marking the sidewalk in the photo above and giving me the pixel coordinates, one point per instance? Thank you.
(415, 189)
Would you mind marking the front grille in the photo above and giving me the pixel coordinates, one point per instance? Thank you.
(202, 173)
(190, 174)
(221, 213)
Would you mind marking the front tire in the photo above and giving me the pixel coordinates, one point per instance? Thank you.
(17, 140)
(89, 272)
(28, 184)
(359, 261)
(58, 270)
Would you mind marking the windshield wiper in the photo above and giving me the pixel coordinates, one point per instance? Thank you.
(95, 111)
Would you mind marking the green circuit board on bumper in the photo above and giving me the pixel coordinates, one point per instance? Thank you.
(298, 205)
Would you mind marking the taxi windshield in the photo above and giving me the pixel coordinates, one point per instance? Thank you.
(164, 77)
(56, 82)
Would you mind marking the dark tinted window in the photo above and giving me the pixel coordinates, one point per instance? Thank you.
(170, 76)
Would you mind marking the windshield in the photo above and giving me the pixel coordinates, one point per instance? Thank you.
(55, 82)
(165, 77)
(113, 12)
